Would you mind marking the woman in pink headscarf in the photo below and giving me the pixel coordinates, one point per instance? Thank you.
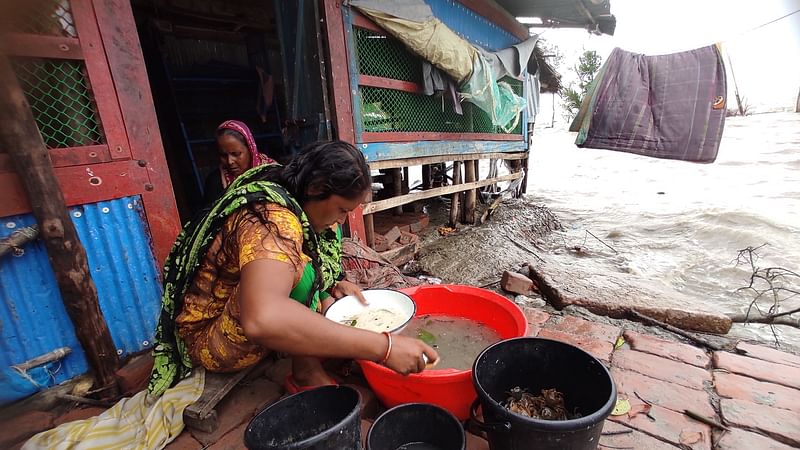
(237, 153)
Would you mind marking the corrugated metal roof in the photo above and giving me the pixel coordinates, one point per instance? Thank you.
(33, 320)
(594, 15)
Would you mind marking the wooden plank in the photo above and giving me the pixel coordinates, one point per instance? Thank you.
(369, 223)
(102, 86)
(383, 151)
(21, 138)
(64, 157)
(355, 222)
(79, 184)
(455, 198)
(340, 75)
(416, 136)
(471, 197)
(381, 205)
(425, 160)
(79, 156)
(389, 83)
(121, 43)
(55, 47)
(361, 21)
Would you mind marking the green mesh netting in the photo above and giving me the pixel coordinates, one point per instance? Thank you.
(48, 17)
(389, 110)
(60, 98)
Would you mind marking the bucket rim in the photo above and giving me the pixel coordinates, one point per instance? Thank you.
(417, 404)
(355, 411)
(550, 425)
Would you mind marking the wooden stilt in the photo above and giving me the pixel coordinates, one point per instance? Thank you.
(426, 176)
(455, 197)
(470, 200)
(20, 137)
(397, 187)
(369, 224)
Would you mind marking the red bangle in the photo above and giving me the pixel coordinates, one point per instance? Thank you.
(388, 348)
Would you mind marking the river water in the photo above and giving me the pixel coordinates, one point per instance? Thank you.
(681, 224)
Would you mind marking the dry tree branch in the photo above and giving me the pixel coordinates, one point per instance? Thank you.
(775, 283)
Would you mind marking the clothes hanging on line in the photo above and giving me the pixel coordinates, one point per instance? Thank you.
(665, 106)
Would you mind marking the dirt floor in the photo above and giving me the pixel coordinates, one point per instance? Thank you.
(477, 255)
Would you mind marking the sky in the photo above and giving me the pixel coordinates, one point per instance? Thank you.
(765, 61)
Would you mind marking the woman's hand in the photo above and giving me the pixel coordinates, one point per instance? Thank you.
(344, 288)
(406, 355)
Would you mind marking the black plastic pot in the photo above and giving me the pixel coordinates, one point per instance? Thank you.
(416, 425)
(536, 364)
(322, 418)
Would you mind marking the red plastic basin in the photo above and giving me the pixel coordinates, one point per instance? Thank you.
(449, 388)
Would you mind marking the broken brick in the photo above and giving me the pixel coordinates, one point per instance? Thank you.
(667, 349)
(738, 439)
(768, 354)
(758, 369)
(516, 283)
(599, 349)
(669, 395)
(668, 425)
(600, 331)
(661, 368)
(392, 235)
(744, 388)
(780, 424)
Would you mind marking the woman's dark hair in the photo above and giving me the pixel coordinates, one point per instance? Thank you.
(323, 169)
(232, 133)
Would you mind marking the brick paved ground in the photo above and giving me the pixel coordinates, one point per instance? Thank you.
(754, 392)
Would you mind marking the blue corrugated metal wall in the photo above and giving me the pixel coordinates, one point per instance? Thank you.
(471, 26)
(33, 320)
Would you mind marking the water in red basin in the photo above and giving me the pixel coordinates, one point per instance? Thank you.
(450, 388)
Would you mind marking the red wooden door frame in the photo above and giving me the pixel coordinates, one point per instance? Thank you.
(132, 160)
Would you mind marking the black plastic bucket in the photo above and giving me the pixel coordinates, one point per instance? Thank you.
(416, 426)
(535, 364)
(322, 418)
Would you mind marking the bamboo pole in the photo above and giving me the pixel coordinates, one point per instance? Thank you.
(20, 137)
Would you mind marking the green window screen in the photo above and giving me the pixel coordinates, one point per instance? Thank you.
(389, 110)
(385, 56)
(48, 17)
(61, 100)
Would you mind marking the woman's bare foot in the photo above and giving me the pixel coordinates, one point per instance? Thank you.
(308, 371)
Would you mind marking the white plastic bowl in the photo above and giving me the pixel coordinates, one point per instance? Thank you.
(349, 306)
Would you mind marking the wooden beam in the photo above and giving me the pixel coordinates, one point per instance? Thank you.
(55, 47)
(407, 162)
(454, 199)
(21, 138)
(471, 197)
(361, 21)
(381, 205)
(414, 136)
(389, 83)
(339, 71)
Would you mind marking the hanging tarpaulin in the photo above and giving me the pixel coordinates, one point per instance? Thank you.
(413, 23)
(666, 106)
